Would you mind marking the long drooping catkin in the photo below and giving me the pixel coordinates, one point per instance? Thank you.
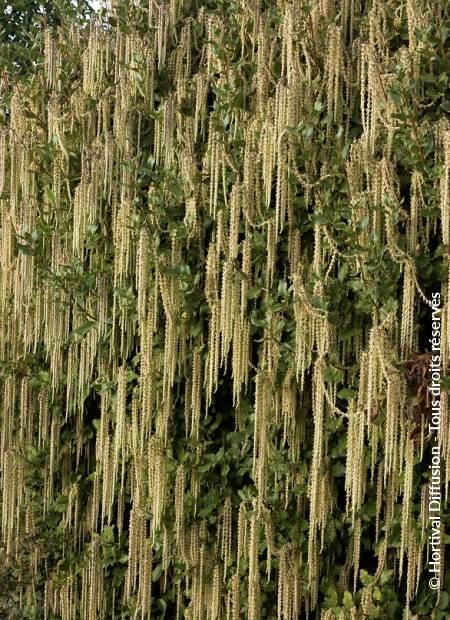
(220, 227)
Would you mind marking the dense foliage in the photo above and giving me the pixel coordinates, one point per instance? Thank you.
(221, 228)
(22, 23)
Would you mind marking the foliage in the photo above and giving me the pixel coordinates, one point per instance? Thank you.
(21, 24)
(221, 225)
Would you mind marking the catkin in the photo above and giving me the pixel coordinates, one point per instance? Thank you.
(219, 232)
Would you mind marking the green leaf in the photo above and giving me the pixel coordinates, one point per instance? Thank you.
(25, 249)
(317, 302)
(163, 606)
(348, 600)
(386, 577)
(258, 322)
(343, 271)
(253, 292)
(308, 132)
(377, 596)
(365, 578)
(157, 572)
(318, 106)
(395, 95)
(196, 329)
(364, 223)
(346, 394)
(60, 503)
(118, 575)
(443, 600)
(86, 327)
(107, 535)
(355, 284)
(318, 218)
(282, 288)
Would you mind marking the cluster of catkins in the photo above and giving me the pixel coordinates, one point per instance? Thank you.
(154, 174)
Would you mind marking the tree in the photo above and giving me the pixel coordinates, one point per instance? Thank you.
(21, 25)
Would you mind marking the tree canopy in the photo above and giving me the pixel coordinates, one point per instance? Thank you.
(224, 234)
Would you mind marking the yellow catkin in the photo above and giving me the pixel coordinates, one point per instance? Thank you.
(235, 598)
(120, 426)
(226, 538)
(179, 505)
(157, 480)
(242, 533)
(407, 325)
(253, 576)
(318, 410)
(156, 257)
(406, 509)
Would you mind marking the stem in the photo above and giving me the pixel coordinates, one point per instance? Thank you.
(312, 36)
(414, 127)
(381, 81)
(367, 285)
